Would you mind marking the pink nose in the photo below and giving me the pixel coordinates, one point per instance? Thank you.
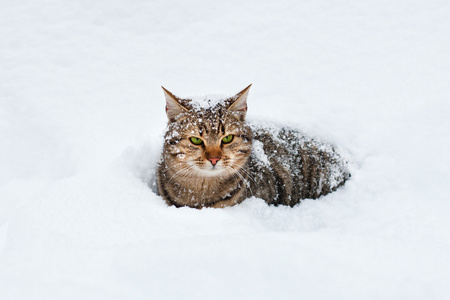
(214, 160)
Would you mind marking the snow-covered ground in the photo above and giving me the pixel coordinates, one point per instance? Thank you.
(81, 124)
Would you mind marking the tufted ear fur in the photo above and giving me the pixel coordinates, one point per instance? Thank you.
(173, 106)
(239, 103)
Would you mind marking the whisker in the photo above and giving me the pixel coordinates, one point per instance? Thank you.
(243, 179)
(180, 172)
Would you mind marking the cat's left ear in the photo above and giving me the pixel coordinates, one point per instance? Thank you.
(173, 106)
(239, 103)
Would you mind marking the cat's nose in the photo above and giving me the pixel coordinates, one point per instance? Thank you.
(213, 160)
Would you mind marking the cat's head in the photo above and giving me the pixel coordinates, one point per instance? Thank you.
(207, 138)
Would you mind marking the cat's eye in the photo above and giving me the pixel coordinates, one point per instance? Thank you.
(227, 139)
(196, 141)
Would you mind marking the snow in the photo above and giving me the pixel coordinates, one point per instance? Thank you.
(81, 128)
(206, 101)
(258, 152)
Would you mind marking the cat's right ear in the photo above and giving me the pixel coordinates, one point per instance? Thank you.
(173, 106)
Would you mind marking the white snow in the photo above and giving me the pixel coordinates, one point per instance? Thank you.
(206, 101)
(81, 127)
(258, 152)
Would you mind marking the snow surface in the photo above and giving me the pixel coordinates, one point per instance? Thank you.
(206, 101)
(81, 127)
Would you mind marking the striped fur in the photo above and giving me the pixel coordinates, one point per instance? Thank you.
(277, 164)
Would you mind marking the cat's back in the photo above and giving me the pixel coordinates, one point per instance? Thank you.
(287, 166)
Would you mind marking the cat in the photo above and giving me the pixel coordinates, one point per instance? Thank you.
(213, 158)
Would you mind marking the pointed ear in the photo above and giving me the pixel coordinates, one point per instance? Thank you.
(173, 106)
(239, 103)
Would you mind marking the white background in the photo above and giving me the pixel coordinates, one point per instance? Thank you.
(81, 125)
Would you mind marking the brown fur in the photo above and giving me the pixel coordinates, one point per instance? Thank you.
(279, 165)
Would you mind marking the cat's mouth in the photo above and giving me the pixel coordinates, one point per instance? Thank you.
(208, 169)
(211, 170)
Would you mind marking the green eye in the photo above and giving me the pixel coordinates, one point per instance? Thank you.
(196, 141)
(227, 139)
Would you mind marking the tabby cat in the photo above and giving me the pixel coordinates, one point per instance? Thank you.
(213, 158)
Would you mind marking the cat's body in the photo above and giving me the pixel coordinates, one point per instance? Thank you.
(213, 158)
(287, 166)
